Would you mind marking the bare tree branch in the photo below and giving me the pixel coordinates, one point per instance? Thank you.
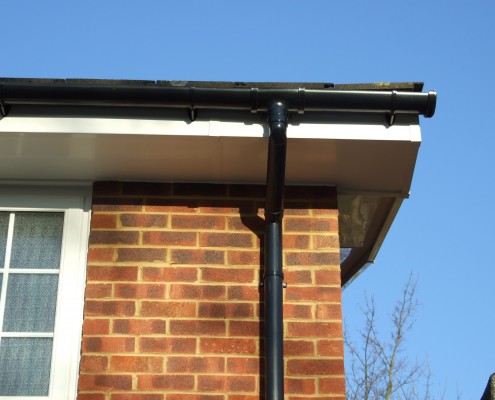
(378, 369)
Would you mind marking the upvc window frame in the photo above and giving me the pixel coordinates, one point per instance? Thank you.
(75, 203)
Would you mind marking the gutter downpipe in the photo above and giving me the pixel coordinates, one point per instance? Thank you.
(273, 277)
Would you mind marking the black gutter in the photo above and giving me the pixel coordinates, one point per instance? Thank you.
(391, 102)
(273, 277)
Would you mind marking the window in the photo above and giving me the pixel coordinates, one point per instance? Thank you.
(43, 246)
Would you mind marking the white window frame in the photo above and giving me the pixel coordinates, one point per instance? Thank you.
(75, 202)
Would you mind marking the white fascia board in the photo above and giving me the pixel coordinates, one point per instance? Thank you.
(351, 152)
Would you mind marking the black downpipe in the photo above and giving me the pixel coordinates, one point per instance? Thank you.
(273, 277)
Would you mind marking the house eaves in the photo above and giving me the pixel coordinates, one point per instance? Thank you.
(363, 139)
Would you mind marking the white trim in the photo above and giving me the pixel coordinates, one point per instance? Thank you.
(75, 202)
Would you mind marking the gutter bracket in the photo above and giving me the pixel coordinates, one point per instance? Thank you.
(192, 110)
(4, 110)
(393, 108)
(253, 95)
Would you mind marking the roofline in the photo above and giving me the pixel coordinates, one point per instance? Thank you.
(214, 95)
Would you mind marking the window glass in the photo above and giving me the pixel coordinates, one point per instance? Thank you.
(28, 300)
(37, 240)
(32, 296)
(25, 366)
(4, 227)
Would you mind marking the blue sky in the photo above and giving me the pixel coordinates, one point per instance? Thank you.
(443, 233)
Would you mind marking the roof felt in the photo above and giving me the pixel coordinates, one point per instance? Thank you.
(402, 86)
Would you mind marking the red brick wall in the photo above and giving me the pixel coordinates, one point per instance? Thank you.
(173, 307)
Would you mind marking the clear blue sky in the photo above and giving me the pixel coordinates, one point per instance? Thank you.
(443, 233)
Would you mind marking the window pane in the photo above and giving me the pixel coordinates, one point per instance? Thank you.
(4, 226)
(25, 366)
(37, 240)
(30, 305)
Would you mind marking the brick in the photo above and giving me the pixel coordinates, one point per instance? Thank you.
(144, 220)
(91, 396)
(100, 254)
(296, 208)
(326, 242)
(227, 275)
(136, 364)
(247, 191)
(322, 209)
(330, 348)
(96, 326)
(93, 363)
(245, 328)
(139, 291)
(169, 309)
(138, 326)
(108, 344)
(251, 292)
(328, 277)
(297, 277)
(146, 188)
(197, 292)
(166, 274)
(196, 364)
(173, 238)
(196, 397)
(172, 206)
(196, 222)
(165, 382)
(109, 308)
(141, 254)
(299, 311)
(226, 383)
(209, 239)
(227, 346)
(313, 293)
(112, 204)
(241, 383)
(98, 291)
(296, 241)
(331, 386)
(314, 329)
(238, 257)
(200, 189)
(329, 311)
(321, 193)
(225, 310)
(244, 396)
(299, 348)
(300, 386)
(197, 257)
(246, 223)
(128, 396)
(113, 237)
(195, 327)
(312, 258)
(103, 221)
(293, 224)
(105, 382)
(167, 345)
(211, 383)
(244, 365)
(112, 273)
(101, 188)
(318, 366)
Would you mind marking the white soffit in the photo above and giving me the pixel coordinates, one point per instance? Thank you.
(347, 153)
